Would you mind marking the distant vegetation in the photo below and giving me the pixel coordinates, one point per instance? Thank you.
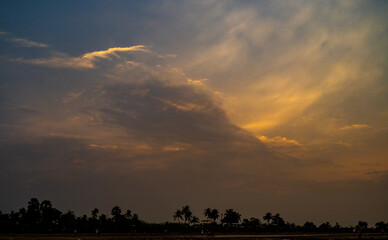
(42, 217)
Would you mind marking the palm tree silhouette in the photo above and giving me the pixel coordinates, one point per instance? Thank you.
(211, 214)
(214, 215)
(267, 217)
(178, 215)
(207, 212)
(95, 213)
(187, 214)
(116, 213)
(194, 220)
(231, 217)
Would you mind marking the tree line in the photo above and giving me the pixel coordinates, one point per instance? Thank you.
(42, 217)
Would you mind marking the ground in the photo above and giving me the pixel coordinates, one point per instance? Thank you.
(187, 237)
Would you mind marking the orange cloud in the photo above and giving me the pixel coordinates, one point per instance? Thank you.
(278, 141)
(103, 146)
(173, 148)
(112, 51)
(86, 61)
(355, 126)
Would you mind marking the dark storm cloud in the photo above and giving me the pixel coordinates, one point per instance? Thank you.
(168, 113)
(166, 125)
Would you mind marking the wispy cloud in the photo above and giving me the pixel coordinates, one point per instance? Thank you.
(113, 51)
(22, 42)
(85, 61)
(278, 141)
(27, 43)
(57, 62)
(355, 126)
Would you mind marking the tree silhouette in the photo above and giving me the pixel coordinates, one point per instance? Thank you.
(178, 215)
(33, 214)
(325, 227)
(68, 221)
(116, 213)
(252, 223)
(211, 214)
(42, 217)
(267, 217)
(381, 226)
(135, 219)
(231, 216)
(214, 215)
(309, 226)
(207, 212)
(277, 221)
(95, 213)
(128, 214)
(187, 214)
(361, 226)
(194, 220)
(49, 215)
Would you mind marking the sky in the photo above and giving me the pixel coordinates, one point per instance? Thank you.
(260, 106)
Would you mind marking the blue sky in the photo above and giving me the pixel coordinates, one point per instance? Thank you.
(253, 105)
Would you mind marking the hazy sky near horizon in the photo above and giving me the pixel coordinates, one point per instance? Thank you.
(258, 106)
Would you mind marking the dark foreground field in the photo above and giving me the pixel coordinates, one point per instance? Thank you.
(187, 237)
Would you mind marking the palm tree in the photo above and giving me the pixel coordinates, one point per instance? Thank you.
(116, 213)
(33, 215)
(214, 215)
(194, 220)
(128, 214)
(277, 220)
(267, 217)
(178, 215)
(207, 212)
(187, 214)
(211, 214)
(95, 213)
(231, 217)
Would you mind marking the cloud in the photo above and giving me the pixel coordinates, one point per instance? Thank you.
(355, 126)
(151, 117)
(23, 42)
(280, 63)
(278, 141)
(198, 82)
(27, 43)
(183, 128)
(55, 62)
(112, 51)
(86, 61)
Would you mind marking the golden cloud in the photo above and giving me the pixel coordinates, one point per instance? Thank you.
(278, 141)
(86, 61)
(355, 126)
(112, 51)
